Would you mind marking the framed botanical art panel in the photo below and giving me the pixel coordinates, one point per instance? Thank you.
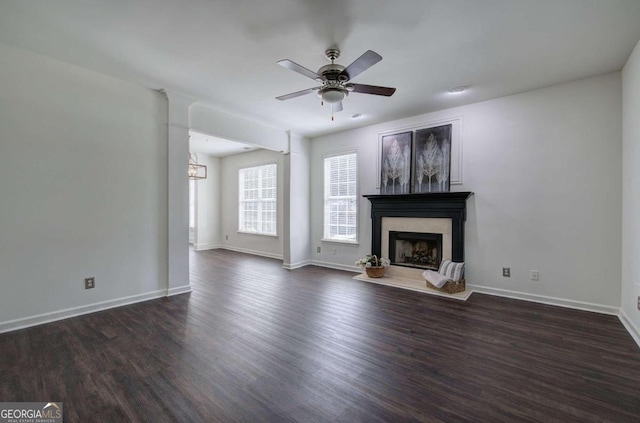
(395, 163)
(432, 159)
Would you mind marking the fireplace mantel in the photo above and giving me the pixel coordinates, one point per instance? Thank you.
(451, 205)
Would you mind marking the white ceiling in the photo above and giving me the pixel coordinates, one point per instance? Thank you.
(217, 147)
(224, 52)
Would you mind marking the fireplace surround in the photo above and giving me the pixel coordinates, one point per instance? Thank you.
(451, 205)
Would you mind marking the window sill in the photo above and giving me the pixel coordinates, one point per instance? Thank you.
(340, 241)
(258, 234)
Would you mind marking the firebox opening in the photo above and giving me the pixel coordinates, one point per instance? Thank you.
(415, 249)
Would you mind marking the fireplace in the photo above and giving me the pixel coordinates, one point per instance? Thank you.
(440, 213)
(415, 249)
(417, 231)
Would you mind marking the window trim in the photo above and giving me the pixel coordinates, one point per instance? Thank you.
(277, 208)
(330, 155)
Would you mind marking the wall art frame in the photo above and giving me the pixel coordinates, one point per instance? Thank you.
(432, 159)
(395, 163)
(457, 131)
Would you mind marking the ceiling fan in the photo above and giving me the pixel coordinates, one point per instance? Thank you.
(335, 79)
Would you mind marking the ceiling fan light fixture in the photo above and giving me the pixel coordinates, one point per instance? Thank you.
(333, 94)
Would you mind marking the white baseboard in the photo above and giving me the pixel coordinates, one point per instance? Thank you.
(630, 326)
(203, 247)
(254, 252)
(178, 290)
(336, 266)
(543, 299)
(297, 265)
(25, 322)
(39, 319)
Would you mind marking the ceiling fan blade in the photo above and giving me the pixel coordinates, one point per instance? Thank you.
(298, 93)
(372, 89)
(361, 64)
(286, 63)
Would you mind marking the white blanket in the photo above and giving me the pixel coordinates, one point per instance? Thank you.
(435, 278)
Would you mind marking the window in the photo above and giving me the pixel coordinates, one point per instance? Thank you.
(340, 202)
(258, 196)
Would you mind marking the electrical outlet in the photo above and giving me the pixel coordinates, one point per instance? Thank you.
(535, 275)
(639, 303)
(506, 272)
(90, 282)
(335, 250)
(226, 237)
(317, 249)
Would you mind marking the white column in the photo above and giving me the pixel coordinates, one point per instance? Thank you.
(297, 230)
(286, 212)
(178, 193)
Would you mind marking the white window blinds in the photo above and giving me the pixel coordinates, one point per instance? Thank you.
(258, 199)
(340, 202)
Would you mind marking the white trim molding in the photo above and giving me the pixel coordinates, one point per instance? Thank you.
(203, 247)
(53, 316)
(254, 252)
(630, 326)
(179, 290)
(336, 266)
(543, 299)
(298, 265)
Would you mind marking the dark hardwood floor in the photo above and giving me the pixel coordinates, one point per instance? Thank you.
(256, 343)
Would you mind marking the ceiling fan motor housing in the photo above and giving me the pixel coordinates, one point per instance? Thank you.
(333, 91)
(333, 72)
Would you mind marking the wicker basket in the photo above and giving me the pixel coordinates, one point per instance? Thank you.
(450, 287)
(375, 272)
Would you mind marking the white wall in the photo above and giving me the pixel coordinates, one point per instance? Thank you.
(214, 122)
(630, 194)
(83, 182)
(269, 246)
(545, 169)
(208, 217)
